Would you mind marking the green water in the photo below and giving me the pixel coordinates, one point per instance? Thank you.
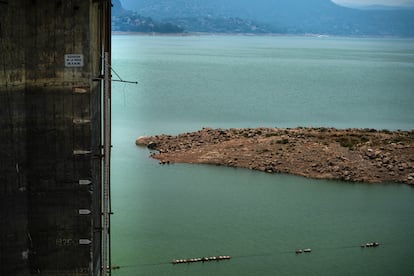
(185, 211)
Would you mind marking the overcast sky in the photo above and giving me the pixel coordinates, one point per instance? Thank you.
(376, 2)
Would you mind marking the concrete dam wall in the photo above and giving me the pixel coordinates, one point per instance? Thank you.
(50, 136)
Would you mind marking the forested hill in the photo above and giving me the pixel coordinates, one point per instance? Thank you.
(285, 16)
(124, 20)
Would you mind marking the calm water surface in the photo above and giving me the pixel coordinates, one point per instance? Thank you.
(184, 211)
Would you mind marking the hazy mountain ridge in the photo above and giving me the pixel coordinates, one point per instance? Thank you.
(128, 21)
(222, 25)
(286, 16)
(379, 7)
(131, 22)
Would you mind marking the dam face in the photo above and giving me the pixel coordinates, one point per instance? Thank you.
(50, 136)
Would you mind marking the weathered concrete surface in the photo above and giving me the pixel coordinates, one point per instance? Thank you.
(49, 138)
(364, 155)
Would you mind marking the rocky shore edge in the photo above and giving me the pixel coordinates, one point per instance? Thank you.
(358, 155)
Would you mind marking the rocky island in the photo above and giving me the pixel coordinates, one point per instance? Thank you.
(363, 155)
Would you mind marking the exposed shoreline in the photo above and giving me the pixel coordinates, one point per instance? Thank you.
(315, 35)
(358, 155)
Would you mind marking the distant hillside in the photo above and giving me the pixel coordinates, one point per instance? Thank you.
(117, 7)
(210, 24)
(288, 16)
(128, 21)
(379, 7)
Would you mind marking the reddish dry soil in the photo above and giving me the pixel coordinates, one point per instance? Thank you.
(363, 155)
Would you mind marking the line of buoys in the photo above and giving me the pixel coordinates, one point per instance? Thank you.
(308, 250)
(197, 260)
(219, 258)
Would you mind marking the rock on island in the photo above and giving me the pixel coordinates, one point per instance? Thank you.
(363, 155)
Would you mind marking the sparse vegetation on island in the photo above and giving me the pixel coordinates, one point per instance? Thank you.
(363, 155)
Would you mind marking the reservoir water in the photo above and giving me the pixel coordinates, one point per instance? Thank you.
(181, 211)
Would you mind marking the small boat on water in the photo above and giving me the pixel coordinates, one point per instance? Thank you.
(370, 244)
(300, 251)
